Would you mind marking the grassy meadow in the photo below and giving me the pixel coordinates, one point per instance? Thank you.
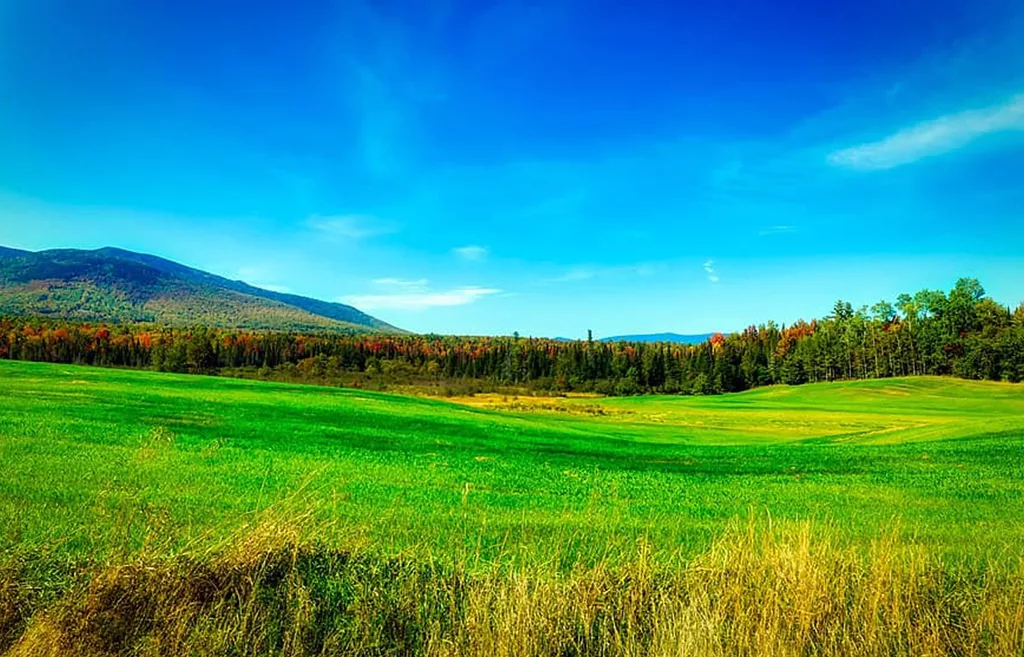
(155, 514)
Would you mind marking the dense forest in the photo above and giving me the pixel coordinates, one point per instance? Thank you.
(961, 333)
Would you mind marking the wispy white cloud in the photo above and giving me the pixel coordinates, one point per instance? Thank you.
(934, 137)
(419, 300)
(350, 226)
(388, 73)
(709, 269)
(419, 284)
(587, 272)
(256, 276)
(472, 252)
(248, 272)
(574, 274)
(776, 230)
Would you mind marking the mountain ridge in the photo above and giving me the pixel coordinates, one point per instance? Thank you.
(698, 338)
(117, 285)
(6, 251)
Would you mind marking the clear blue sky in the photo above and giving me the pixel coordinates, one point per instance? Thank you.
(541, 167)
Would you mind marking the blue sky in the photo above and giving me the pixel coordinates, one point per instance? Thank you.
(541, 167)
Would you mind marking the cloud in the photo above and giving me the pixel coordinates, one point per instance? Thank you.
(389, 74)
(709, 269)
(934, 137)
(419, 300)
(584, 273)
(575, 274)
(776, 230)
(350, 227)
(472, 252)
(419, 284)
(254, 275)
(245, 273)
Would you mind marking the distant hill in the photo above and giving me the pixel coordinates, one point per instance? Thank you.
(661, 337)
(115, 285)
(6, 252)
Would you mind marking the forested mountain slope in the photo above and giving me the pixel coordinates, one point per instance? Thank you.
(113, 285)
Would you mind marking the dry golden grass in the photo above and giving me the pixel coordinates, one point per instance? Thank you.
(570, 403)
(766, 593)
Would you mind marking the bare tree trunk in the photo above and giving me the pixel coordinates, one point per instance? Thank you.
(874, 349)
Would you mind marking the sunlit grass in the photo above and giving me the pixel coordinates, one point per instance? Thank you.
(530, 500)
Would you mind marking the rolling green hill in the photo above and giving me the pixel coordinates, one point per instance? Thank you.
(154, 514)
(121, 286)
(942, 454)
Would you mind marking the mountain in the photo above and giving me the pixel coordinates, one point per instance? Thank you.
(661, 337)
(8, 252)
(122, 286)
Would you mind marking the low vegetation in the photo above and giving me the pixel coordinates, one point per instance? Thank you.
(155, 514)
(748, 594)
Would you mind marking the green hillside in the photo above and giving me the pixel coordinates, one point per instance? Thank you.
(120, 286)
(579, 474)
(161, 515)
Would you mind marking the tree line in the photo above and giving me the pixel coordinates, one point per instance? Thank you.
(962, 333)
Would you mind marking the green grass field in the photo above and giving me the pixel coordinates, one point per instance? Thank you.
(191, 458)
(112, 467)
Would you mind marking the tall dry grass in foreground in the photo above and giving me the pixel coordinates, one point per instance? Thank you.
(752, 593)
